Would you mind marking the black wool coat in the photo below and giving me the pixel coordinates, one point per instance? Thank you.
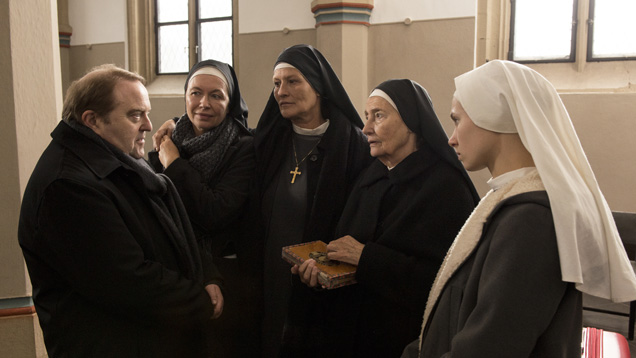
(507, 299)
(215, 208)
(106, 278)
(407, 218)
(216, 211)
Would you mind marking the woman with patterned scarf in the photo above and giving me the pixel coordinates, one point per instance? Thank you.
(209, 156)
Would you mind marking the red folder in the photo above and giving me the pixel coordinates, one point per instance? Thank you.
(597, 343)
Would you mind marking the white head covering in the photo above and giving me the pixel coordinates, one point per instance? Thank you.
(283, 65)
(213, 71)
(506, 97)
(380, 93)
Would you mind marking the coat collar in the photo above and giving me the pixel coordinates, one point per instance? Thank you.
(470, 235)
(99, 159)
(412, 166)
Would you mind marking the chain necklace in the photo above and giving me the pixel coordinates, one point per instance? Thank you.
(295, 172)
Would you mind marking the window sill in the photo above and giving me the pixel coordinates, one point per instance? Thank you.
(167, 86)
(602, 77)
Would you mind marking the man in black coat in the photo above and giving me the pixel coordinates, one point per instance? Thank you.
(114, 264)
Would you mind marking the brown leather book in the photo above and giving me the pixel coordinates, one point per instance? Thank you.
(333, 274)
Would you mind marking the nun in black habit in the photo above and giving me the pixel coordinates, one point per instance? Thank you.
(209, 155)
(309, 151)
(397, 225)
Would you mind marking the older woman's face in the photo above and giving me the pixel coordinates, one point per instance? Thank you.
(476, 147)
(389, 138)
(207, 102)
(296, 98)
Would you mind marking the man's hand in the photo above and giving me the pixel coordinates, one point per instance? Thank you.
(217, 299)
(165, 130)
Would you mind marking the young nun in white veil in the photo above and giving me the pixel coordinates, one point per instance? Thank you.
(511, 284)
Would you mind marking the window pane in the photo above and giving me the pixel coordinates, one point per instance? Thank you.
(214, 8)
(542, 30)
(173, 48)
(216, 41)
(614, 28)
(172, 10)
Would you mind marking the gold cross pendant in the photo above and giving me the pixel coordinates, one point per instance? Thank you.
(294, 173)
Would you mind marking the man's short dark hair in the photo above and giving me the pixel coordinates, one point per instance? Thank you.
(95, 91)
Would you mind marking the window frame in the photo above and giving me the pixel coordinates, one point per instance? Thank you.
(590, 40)
(194, 31)
(574, 37)
(157, 25)
(200, 21)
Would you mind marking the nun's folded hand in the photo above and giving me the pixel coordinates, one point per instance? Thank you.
(165, 130)
(345, 249)
(307, 272)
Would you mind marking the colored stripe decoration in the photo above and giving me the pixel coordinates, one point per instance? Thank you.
(342, 13)
(19, 306)
(65, 39)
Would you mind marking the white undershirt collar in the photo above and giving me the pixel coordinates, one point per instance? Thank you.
(320, 130)
(505, 178)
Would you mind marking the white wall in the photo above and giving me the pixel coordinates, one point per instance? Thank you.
(387, 11)
(97, 21)
(273, 15)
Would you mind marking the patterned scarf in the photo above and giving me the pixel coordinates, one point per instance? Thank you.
(204, 152)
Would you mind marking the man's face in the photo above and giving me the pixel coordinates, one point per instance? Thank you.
(126, 125)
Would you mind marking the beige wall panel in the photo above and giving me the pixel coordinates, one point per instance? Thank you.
(84, 57)
(432, 53)
(258, 52)
(606, 126)
(24, 335)
(13, 273)
(163, 108)
(346, 48)
(65, 56)
(603, 76)
(31, 103)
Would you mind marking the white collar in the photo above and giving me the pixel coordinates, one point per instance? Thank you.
(505, 178)
(320, 130)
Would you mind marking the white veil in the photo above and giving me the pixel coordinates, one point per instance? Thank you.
(506, 97)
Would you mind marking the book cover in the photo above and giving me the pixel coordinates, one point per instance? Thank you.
(333, 274)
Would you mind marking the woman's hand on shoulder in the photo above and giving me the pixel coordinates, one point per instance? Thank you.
(345, 249)
(165, 130)
(168, 151)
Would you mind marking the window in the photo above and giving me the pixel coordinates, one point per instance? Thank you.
(612, 33)
(547, 30)
(191, 31)
(543, 30)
